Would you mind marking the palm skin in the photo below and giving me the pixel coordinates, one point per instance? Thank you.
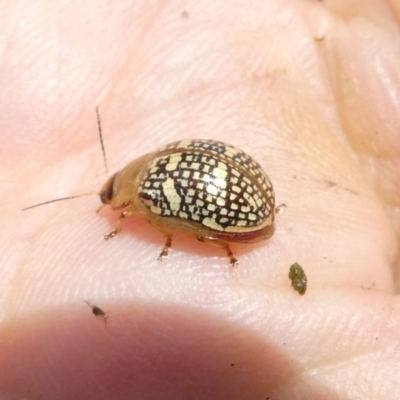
(310, 90)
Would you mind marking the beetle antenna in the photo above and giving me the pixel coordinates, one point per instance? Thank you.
(84, 194)
(61, 199)
(102, 142)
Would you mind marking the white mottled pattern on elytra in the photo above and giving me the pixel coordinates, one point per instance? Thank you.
(223, 167)
(206, 178)
(184, 143)
(211, 223)
(212, 190)
(171, 194)
(221, 202)
(236, 189)
(249, 199)
(170, 167)
(220, 182)
(211, 182)
(231, 151)
(243, 228)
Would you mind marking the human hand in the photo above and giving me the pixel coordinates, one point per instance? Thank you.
(310, 90)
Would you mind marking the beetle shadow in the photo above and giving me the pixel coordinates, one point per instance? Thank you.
(150, 350)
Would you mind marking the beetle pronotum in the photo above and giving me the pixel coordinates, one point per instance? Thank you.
(208, 188)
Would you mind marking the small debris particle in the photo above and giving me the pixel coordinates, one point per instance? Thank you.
(98, 312)
(298, 278)
(280, 208)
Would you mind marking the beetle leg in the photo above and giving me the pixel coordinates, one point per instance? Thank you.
(232, 260)
(100, 208)
(118, 226)
(168, 242)
(164, 252)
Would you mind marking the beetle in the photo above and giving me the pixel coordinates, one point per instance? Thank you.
(208, 188)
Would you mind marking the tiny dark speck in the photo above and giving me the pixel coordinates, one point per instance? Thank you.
(331, 184)
(98, 312)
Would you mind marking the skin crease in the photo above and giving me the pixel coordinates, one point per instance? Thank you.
(310, 89)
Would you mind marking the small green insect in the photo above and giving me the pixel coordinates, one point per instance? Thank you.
(298, 278)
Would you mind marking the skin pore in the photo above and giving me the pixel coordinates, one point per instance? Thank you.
(310, 89)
